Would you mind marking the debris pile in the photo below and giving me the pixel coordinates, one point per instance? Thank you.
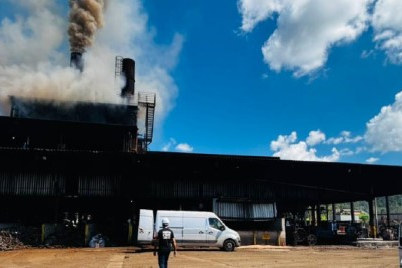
(18, 237)
(10, 241)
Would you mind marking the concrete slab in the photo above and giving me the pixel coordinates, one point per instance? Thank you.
(375, 243)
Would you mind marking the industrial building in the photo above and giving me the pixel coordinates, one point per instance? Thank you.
(89, 163)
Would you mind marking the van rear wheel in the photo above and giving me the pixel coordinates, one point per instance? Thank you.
(229, 245)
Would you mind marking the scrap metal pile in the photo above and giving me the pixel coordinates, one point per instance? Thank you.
(10, 240)
(19, 237)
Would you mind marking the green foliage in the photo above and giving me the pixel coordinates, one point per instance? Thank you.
(364, 217)
(394, 201)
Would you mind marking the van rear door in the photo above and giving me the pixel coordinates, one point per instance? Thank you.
(145, 227)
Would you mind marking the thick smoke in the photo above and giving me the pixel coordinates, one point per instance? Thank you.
(35, 65)
(86, 16)
(40, 70)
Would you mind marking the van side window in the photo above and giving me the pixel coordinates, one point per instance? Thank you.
(215, 223)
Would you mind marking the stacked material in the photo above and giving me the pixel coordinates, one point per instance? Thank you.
(9, 241)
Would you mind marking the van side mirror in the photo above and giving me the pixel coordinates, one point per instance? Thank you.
(222, 228)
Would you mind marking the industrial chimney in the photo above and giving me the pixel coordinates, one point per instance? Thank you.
(76, 61)
(128, 70)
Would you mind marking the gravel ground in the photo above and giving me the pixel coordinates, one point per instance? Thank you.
(246, 256)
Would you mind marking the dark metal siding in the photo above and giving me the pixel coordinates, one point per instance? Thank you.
(244, 210)
(196, 189)
(48, 184)
(31, 183)
(99, 185)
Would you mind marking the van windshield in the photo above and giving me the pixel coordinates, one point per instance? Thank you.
(215, 223)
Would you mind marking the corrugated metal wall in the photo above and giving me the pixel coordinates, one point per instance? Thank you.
(49, 184)
(31, 183)
(263, 211)
(98, 185)
(244, 210)
(197, 189)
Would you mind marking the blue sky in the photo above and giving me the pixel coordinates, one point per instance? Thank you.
(311, 80)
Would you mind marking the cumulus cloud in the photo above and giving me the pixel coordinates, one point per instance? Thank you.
(387, 25)
(172, 145)
(32, 63)
(306, 30)
(384, 131)
(288, 147)
(372, 160)
(301, 42)
(167, 147)
(184, 147)
(315, 137)
(345, 137)
(255, 11)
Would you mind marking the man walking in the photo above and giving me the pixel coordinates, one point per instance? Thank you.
(164, 244)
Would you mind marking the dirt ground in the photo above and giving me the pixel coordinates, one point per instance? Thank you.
(247, 256)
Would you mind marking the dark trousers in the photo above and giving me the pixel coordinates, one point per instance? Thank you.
(163, 258)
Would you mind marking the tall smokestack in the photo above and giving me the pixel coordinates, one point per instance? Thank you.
(86, 16)
(76, 61)
(128, 70)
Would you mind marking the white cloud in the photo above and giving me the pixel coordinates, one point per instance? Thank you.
(345, 137)
(166, 147)
(384, 131)
(346, 152)
(287, 147)
(255, 11)
(306, 30)
(387, 25)
(305, 33)
(315, 137)
(184, 147)
(283, 141)
(372, 160)
(179, 147)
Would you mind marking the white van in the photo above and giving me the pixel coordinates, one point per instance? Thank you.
(191, 229)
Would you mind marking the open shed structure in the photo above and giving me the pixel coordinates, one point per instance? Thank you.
(80, 162)
(249, 193)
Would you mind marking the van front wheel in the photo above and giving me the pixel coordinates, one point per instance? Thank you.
(229, 245)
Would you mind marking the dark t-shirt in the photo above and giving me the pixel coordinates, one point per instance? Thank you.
(165, 240)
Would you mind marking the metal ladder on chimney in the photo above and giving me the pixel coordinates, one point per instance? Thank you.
(118, 67)
(147, 100)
